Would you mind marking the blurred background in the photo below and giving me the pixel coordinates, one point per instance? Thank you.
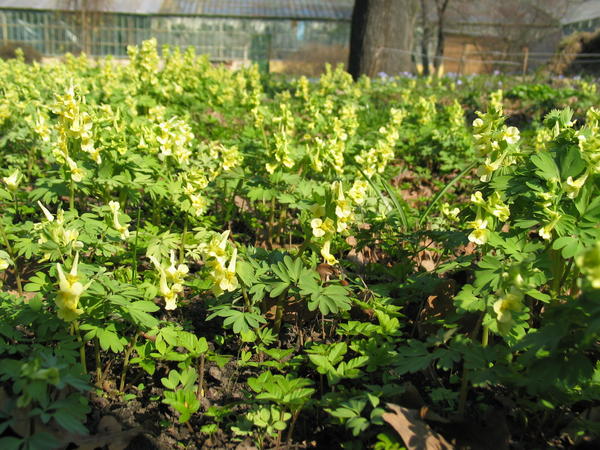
(301, 36)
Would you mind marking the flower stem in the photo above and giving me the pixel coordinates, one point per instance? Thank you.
(98, 362)
(200, 391)
(72, 195)
(134, 250)
(485, 335)
(183, 236)
(126, 357)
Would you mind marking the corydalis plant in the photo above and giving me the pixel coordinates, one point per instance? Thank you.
(70, 291)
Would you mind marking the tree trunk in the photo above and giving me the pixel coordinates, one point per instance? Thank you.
(425, 37)
(439, 49)
(382, 37)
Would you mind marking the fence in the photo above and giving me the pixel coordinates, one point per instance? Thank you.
(99, 34)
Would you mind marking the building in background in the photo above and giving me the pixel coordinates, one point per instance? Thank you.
(284, 32)
(584, 16)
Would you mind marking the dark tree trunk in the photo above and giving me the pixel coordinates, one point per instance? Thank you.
(425, 38)
(357, 36)
(382, 37)
(439, 49)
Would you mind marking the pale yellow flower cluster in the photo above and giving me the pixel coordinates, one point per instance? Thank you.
(53, 229)
(122, 229)
(144, 62)
(325, 227)
(285, 127)
(426, 110)
(358, 191)
(451, 214)
(221, 272)
(494, 141)
(589, 140)
(493, 207)
(175, 139)
(77, 125)
(170, 280)
(70, 290)
(281, 154)
(376, 159)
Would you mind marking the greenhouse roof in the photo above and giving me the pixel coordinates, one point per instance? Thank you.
(586, 10)
(297, 9)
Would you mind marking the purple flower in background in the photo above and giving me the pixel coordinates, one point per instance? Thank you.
(383, 75)
(496, 72)
(459, 82)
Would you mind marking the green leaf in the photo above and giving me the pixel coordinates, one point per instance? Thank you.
(467, 300)
(546, 166)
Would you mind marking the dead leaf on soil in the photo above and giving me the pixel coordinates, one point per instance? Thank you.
(415, 433)
(115, 441)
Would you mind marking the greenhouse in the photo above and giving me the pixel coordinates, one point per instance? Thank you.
(226, 30)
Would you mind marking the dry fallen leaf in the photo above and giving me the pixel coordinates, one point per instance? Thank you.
(415, 433)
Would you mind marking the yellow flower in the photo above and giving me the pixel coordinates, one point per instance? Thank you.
(4, 262)
(124, 230)
(229, 281)
(489, 167)
(326, 253)
(510, 302)
(477, 123)
(199, 204)
(224, 278)
(176, 273)
(573, 186)
(451, 214)
(12, 181)
(546, 231)
(511, 135)
(217, 245)
(70, 291)
(47, 213)
(480, 234)
(477, 198)
(270, 167)
(76, 173)
(343, 209)
(169, 293)
(358, 191)
(498, 208)
(320, 227)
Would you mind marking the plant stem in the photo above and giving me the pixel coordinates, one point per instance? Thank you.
(134, 250)
(288, 440)
(278, 318)
(127, 355)
(485, 333)
(72, 195)
(183, 235)
(271, 226)
(98, 362)
(200, 391)
(81, 347)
